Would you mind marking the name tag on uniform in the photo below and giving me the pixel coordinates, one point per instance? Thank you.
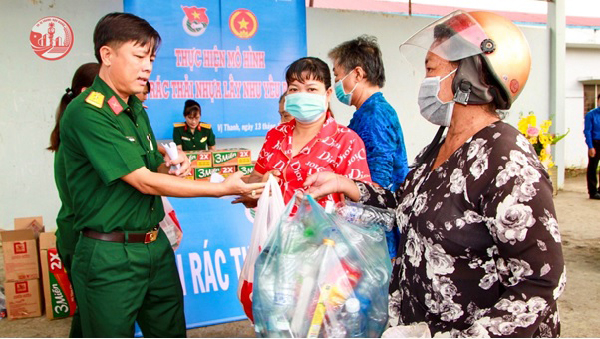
(132, 139)
(203, 139)
(185, 138)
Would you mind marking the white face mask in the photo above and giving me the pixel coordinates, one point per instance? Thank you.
(431, 107)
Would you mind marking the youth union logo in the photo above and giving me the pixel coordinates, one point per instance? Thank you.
(243, 23)
(195, 20)
(51, 38)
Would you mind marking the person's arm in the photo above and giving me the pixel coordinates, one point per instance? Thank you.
(152, 183)
(587, 132)
(380, 146)
(517, 207)
(354, 164)
(114, 158)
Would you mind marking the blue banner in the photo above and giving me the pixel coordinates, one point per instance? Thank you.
(216, 235)
(230, 56)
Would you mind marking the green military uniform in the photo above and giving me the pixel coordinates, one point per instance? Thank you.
(197, 141)
(117, 283)
(66, 238)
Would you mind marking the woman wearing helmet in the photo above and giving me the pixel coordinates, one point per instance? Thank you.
(480, 253)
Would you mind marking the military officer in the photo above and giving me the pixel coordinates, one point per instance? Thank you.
(193, 135)
(123, 267)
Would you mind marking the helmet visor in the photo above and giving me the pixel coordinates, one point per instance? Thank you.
(453, 37)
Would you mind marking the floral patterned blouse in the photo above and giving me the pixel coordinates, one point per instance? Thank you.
(480, 252)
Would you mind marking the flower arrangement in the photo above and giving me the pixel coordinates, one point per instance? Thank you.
(539, 137)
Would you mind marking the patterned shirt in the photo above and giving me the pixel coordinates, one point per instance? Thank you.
(335, 149)
(377, 124)
(481, 250)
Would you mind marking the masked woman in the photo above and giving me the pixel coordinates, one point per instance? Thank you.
(312, 142)
(482, 253)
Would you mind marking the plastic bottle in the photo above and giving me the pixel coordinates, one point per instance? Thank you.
(307, 298)
(362, 215)
(355, 322)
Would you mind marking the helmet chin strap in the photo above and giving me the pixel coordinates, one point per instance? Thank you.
(463, 92)
(469, 84)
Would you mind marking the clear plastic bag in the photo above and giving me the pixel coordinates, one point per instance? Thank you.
(321, 276)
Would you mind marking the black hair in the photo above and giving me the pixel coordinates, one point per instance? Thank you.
(191, 107)
(598, 98)
(361, 52)
(115, 29)
(84, 77)
(308, 68)
(148, 86)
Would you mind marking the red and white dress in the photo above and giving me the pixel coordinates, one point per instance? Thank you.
(335, 148)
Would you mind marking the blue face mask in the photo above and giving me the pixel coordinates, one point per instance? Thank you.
(306, 107)
(341, 94)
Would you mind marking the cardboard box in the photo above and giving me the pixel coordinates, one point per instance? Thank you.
(227, 170)
(59, 297)
(246, 169)
(20, 255)
(199, 159)
(204, 173)
(23, 299)
(33, 223)
(231, 157)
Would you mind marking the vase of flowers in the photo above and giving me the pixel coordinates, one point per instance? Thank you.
(541, 139)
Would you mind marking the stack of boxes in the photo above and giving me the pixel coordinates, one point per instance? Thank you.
(22, 274)
(225, 162)
(23, 281)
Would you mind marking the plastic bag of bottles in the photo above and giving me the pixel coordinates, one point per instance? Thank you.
(321, 276)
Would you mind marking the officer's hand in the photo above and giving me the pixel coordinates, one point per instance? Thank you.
(182, 160)
(234, 185)
(592, 152)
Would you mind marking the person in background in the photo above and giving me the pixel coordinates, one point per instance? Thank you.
(312, 141)
(194, 135)
(481, 254)
(123, 267)
(359, 77)
(592, 140)
(143, 96)
(284, 115)
(66, 237)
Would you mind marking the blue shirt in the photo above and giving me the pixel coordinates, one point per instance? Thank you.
(376, 122)
(591, 129)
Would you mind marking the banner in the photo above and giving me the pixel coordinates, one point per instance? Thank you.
(230, 56)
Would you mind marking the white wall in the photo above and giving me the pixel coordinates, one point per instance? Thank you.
(580, 63)
(31, 88)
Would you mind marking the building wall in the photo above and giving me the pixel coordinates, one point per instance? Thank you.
(31, 88)
(581, 63)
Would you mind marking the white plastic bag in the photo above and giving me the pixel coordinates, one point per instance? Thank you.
(170, 225)
(420, 330)
(268, 212)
